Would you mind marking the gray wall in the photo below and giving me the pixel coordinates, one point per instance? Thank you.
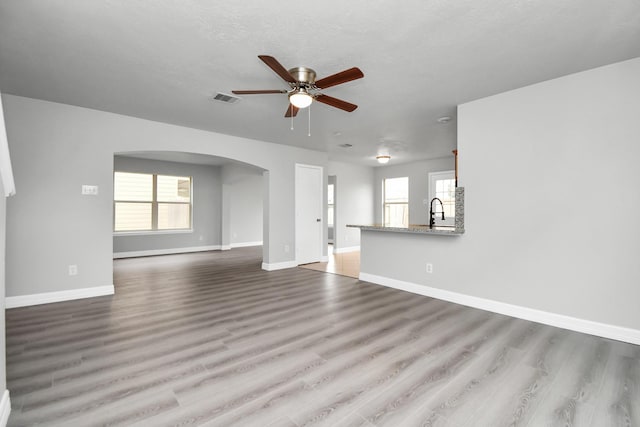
(550, 173)
(246, 210)
(56, 148)
(353, 200)
(243, 201)
(49, 223)
(418, 173)
(207, 201)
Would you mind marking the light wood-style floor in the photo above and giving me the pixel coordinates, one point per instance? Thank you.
(345, 264)
(211, 339)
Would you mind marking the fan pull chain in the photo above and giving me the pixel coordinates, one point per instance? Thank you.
(291, 109)
(309, 134)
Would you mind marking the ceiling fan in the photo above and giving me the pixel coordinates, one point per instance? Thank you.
(304, 88)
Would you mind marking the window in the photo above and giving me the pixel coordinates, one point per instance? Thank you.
(395, 193)
(149, 202)
(330, 196)
(443, 186)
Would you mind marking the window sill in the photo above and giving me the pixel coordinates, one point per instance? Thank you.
(149, 233)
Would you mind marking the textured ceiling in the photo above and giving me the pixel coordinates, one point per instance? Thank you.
(164, 60)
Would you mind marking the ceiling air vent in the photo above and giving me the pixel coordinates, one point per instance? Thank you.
(223, 97)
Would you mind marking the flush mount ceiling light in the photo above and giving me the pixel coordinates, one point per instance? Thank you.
(383, 159)
(300, 98)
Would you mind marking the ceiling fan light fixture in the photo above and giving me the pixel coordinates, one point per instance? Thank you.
(304, 89)
(383, 159)
(300, 98)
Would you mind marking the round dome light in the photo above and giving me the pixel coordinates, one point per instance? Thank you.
(301, 98)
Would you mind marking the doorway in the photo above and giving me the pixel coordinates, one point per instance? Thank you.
(331, 210)
(343, 264)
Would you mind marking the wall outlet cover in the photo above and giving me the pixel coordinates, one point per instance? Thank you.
(73, 270)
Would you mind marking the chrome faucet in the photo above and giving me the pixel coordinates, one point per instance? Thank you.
(432, 221)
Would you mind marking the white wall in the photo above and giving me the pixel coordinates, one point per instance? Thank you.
(207, 202)
(7, 187)
(418, 173)
(3, 364)
(56, 148)
(551, 174)
(353, 201)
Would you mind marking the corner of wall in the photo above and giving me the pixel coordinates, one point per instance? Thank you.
(5, 408)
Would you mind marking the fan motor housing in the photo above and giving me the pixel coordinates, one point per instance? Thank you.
(303, 75)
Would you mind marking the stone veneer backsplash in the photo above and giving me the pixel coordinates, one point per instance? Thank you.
(459, 208)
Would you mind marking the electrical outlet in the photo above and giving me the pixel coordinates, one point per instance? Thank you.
(429, 268)
(286, 248)
(73, 270)
(201, 238)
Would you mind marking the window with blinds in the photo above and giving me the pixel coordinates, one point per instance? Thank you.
(151, 202)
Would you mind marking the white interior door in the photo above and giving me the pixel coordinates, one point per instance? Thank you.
(309, 213)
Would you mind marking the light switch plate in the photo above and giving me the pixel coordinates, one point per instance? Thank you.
(90, 190)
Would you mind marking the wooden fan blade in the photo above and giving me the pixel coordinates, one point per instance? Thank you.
(292, 110)
(277, 67)
(335, 102)
(339, 78)
(257, 92)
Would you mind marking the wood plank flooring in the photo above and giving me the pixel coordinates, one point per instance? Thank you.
(345, 264)
(211, 339)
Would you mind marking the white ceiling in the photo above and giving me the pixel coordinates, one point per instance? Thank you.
(163, 60)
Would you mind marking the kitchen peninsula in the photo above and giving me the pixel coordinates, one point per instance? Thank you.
(456, 230)
(415, 258)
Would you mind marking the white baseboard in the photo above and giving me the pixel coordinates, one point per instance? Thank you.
(49, 297)
(225, 247)
(170, 251)
(279, 265)
(5, 408)
(345, 250)
(324, 258)
(245, 244)
(559, 320)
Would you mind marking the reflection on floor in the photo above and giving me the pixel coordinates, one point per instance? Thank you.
(345, 264)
